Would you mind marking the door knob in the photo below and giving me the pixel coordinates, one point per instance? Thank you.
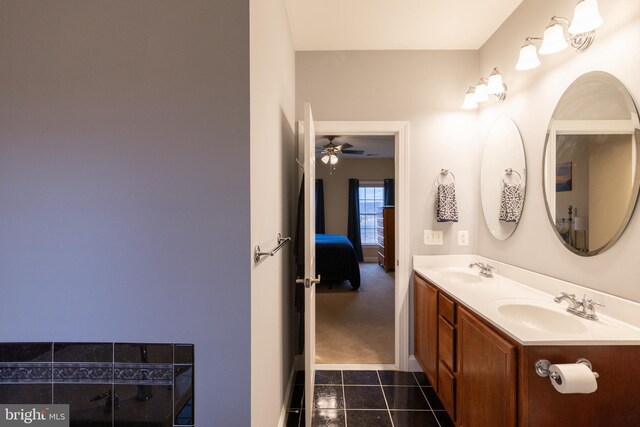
(308, 282)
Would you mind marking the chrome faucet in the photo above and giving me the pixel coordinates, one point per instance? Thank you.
(584, 307)
(485, 269)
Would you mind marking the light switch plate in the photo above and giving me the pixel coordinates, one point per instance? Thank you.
(433, 237)
(463, 238)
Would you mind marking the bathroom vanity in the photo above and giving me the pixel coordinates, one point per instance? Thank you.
(478, 339)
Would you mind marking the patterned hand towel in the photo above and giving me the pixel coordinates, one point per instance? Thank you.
(446, 205)
(511, 202)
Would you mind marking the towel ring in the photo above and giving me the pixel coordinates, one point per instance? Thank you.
(445, 172)
(510, 171)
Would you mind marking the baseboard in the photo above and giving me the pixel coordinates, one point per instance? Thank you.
(356, 367)
(414, 366)
(287, 398)
(370, 259)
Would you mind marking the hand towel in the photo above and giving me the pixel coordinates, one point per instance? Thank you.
(446, 205)
(511, 202)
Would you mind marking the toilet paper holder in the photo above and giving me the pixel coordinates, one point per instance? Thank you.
(542, 368)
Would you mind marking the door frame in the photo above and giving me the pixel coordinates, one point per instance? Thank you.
(400, 131)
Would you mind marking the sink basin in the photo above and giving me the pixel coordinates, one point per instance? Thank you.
(459, 276)
(541, 316)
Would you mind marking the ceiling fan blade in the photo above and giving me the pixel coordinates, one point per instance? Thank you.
(352, 151)
(345, 145)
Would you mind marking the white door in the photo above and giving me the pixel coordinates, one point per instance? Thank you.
(309, 279)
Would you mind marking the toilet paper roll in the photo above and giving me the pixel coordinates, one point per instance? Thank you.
(574, 378)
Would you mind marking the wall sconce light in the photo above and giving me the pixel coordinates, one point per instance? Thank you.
(586, 19)
(485, 87)
(470, 99)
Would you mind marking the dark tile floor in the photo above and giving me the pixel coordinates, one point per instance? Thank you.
(369, 399)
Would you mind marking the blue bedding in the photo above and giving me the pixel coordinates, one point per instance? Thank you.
(336, 259)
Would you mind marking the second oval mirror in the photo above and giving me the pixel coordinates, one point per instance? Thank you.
(591, 163)
(503, 178)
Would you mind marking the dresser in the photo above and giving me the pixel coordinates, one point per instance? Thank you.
(387, 238)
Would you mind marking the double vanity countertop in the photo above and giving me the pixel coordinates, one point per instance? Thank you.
(520, 303)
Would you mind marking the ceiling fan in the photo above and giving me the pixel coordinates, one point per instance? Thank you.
(331, 151)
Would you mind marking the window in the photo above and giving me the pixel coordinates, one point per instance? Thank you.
(371, 201)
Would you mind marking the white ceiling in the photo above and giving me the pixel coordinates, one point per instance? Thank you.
(374, 146)
(395, 24)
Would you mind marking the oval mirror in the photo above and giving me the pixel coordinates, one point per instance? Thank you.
(591, 163)
(503, 178)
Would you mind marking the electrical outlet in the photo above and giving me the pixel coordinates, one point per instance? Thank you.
(433, 237)
(463, 238)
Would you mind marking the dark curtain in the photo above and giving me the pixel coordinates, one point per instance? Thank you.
(353, 228)
(319, 206)
(389, 192)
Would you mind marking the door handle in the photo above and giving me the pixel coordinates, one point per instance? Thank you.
(308, 282)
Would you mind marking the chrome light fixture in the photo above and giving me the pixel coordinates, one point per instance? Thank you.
(482, 91)
(553, 40)
(470, 99)
(496, 86)
(528, 58)
(586, 19)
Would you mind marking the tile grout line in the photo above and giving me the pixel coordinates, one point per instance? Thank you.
(53, 347)
(385, 398)
(425, 398)
(344, 398)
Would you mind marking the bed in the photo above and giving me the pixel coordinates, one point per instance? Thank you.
(336, 259)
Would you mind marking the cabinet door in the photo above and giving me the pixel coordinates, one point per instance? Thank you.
(486, 376)
(426, 328)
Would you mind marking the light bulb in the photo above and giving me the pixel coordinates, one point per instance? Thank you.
(495, 85)
(469, 100)
(481, 94)
(325, 159)
(586, 17)
(553, 40)
(334, 159)
(528, 57)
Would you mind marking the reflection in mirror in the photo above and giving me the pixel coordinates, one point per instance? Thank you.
(502, 178)
(591, 157)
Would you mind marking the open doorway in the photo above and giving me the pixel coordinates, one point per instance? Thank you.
(355, 206)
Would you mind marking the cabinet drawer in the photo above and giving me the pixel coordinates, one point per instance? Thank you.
(447, 389)
(446, 343)
(447, 308)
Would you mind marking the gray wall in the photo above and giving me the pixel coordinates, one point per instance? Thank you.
(532, 98)
(423, 87)
(124, 181)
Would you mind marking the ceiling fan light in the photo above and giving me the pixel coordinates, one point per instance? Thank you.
(325, 159)
(481, 94)
(528, 59)
(553, 40)
(495, 86)
(334, 159)
(586, 17)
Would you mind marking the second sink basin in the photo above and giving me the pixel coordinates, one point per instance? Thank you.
(540, 315)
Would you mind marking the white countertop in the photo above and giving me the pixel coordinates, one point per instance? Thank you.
(524, 309)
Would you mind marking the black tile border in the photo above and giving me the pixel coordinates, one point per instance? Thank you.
(25, 373)
(33, 363)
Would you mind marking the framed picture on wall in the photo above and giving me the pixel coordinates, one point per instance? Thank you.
(563, 177)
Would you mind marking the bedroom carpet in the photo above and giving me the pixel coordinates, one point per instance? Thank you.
(356, 326)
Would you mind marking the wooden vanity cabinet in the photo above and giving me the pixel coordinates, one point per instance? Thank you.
(426, 327)
(487, 375)
(485, 379)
